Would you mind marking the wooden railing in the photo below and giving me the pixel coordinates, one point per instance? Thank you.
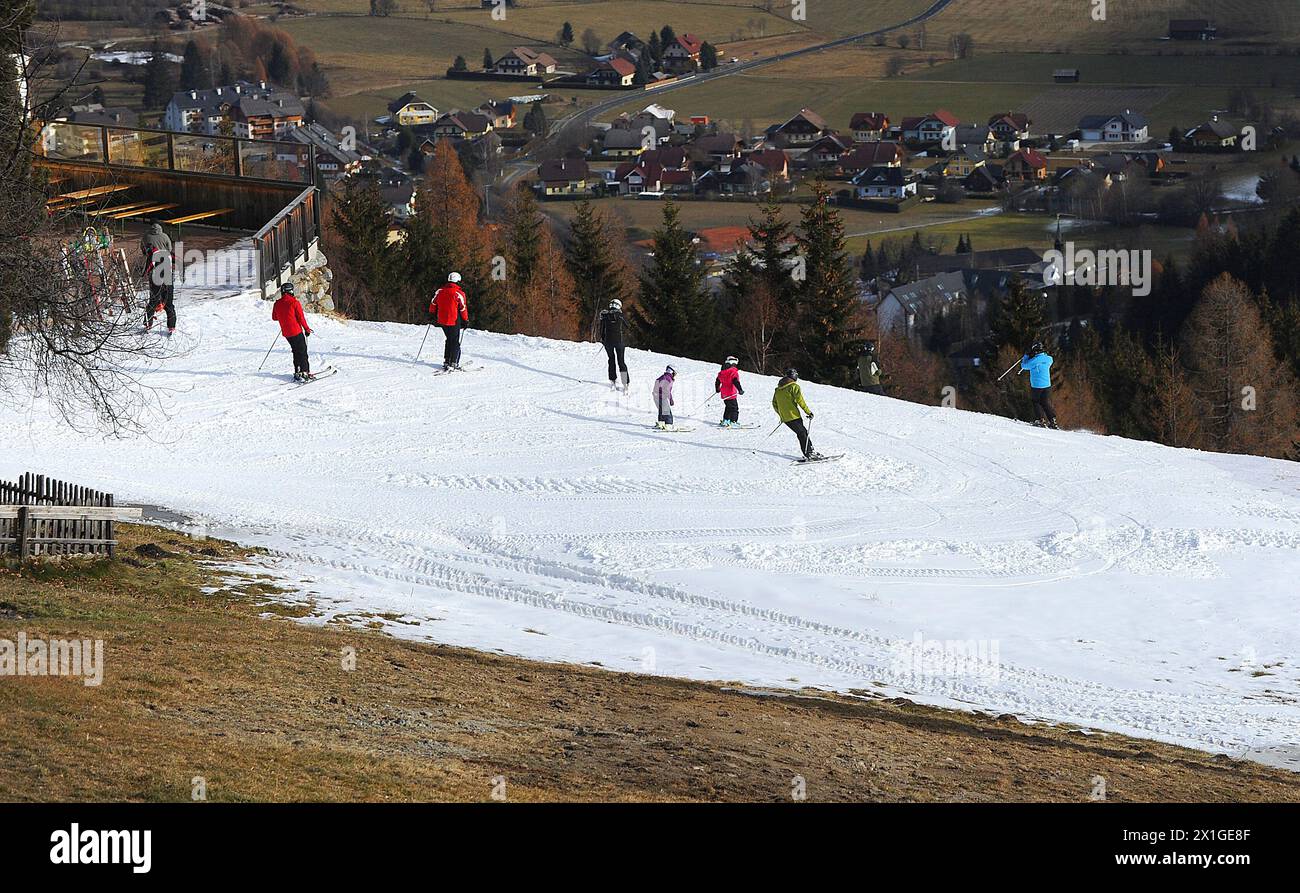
(42, 516)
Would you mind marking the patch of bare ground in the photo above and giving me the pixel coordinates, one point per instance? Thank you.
(205, 676)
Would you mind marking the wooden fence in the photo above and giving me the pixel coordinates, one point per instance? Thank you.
(41, 516)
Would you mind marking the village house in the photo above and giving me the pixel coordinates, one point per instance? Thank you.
(719, 148)
(885, 182)
(622, 142)
(1212, 134)
(683, 54)
(877, 154)
(775, 163)
(1192, 29)
(247, 108)
(461, 125)
(1025, 165)
(1125, 127)
(983, 179)
(409, 110)
(869, 126)
(564, 176)
(616, 72)
(636, 177)
(1066, 76)
(977, 136)
(95, 113)
(333, 160)
(500, 113)
(829, 149)
(800, 131)
(965, 161)
(932, 128)
(744, 178)
(1009, 129)
(524, 62)
(905, 308)
(627, 42)
(692, 125)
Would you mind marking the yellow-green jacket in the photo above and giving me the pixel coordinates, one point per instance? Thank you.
(787, 400)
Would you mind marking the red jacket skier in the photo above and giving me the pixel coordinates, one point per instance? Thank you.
(727, 385)
(293, 326)
(451, 314)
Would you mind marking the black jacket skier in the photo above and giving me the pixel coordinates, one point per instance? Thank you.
(612, 326)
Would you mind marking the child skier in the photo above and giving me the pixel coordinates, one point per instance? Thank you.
(293, 326)
(663, 394)
(451, 315)
(869, 370)
(787, 400)
(1039, 364)
(727, 385)
(612, 324)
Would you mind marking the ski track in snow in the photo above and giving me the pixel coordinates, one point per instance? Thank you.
(528, 509)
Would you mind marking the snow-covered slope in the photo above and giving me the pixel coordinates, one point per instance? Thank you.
(524, 507)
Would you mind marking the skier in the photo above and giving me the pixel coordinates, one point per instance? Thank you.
(869, 370)
(162, 291)
(1039, 365)
(612, 324)
(787, 400)
(727, 384)
(293, 326)
(663, 394)
(156, 239)
(452, 316)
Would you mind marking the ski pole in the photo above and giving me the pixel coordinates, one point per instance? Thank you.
(1008, 372)
(705, 403)
(774, 430)
(422, 340)
(268, 352)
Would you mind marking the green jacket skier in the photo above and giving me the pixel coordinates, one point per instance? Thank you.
(787, 400)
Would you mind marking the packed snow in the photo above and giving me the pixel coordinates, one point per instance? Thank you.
(525, 507)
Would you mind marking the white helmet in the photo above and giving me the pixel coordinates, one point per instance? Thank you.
(616, 304)
(453, 277)
(732, 361)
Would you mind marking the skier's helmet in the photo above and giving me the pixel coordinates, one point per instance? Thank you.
(792, 374)
(732, 361)
(869, 347)
(616, 304)
(453, 277)
(1037, 348)
(287, 288)
(671, 371)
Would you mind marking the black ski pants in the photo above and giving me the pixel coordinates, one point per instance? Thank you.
(731, 410)
(161, 297)
(451, 350)
(616, 361)
(1043, 408)
(298, 343)
(805, 443)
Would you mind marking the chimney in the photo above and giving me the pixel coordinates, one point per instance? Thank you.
(194, 94)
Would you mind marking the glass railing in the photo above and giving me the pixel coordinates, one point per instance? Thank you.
(285, 161)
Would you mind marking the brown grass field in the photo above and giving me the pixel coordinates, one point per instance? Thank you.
(204, 677)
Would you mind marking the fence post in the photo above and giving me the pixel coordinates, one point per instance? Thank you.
(22, 533)
(107, 499)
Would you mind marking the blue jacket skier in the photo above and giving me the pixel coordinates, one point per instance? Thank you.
(1038, 363)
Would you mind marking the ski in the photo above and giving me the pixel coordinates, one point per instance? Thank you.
(739, 427)
(324, 373)
(818, 461)
(458, 369)
(672, 429)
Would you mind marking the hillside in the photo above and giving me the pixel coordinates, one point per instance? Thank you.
(1107, 583)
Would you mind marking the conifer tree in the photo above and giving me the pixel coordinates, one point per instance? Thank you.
(357, 240)
(829, 315)
(1018, 320)
(159, 78)
(597, 266)
(676, 313)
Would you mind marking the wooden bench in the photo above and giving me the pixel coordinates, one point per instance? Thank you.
(103, 212)
(201, 215)
(147, 209)
(84, 195)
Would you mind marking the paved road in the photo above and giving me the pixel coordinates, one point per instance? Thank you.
(582, 118)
